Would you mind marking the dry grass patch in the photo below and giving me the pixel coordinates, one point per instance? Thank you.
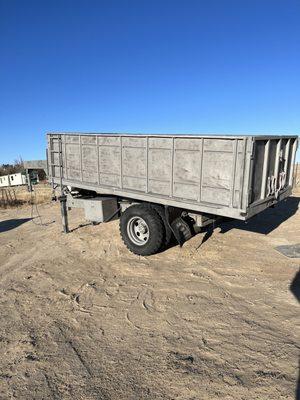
(14, 197)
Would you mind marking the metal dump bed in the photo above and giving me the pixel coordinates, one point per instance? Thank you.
(233, 176)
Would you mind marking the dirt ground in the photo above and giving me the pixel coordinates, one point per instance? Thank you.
(82, 318)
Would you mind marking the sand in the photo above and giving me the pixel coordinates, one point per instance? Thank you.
(82, 318)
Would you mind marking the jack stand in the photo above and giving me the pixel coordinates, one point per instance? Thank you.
(64, 212)
(29, 184)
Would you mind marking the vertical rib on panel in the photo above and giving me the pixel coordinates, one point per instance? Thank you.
(201, 167)
(80, 155)
(277, 160)
(234, 157)
(98, 160)
(121, 162)
(265, 170)
(286, 156)
(65, 159)
(172, 168)
(52, 157)
(147, 164)
(292, 166)
(243, 173)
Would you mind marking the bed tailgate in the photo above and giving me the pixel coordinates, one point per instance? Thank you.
(272, 174)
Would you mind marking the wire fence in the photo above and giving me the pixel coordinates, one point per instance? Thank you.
(8, 198)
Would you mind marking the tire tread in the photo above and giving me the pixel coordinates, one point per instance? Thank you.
(154, 222)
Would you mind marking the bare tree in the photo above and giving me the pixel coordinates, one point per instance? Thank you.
(17, 166)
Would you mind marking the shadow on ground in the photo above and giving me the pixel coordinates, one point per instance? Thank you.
(266, 221)
(295, 289)
(10, 224)
(8, 203)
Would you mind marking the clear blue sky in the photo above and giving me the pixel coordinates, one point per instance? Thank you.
(215, 66)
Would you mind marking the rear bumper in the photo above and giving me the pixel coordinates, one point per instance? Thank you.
(261, 205)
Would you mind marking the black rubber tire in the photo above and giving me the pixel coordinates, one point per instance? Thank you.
(182, 228)
(167, 231)
(155, 225)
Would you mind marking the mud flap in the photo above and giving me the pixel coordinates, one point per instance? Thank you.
(181, 230)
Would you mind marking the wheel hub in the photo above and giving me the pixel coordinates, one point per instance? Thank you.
(138, 231)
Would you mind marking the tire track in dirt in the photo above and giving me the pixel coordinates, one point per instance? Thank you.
(144, 313)
(72, 346)
(217, 323)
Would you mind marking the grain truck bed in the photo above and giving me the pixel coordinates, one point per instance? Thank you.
(231, 176)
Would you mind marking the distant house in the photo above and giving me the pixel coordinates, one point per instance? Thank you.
(13, 180)
(4, 181)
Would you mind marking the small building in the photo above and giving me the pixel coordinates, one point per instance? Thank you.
(13, 180)
(4, 181)
(17, 179)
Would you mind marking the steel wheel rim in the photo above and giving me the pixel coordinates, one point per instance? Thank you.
(138, 231)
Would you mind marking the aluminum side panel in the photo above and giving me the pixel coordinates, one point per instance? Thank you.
(203, 173)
